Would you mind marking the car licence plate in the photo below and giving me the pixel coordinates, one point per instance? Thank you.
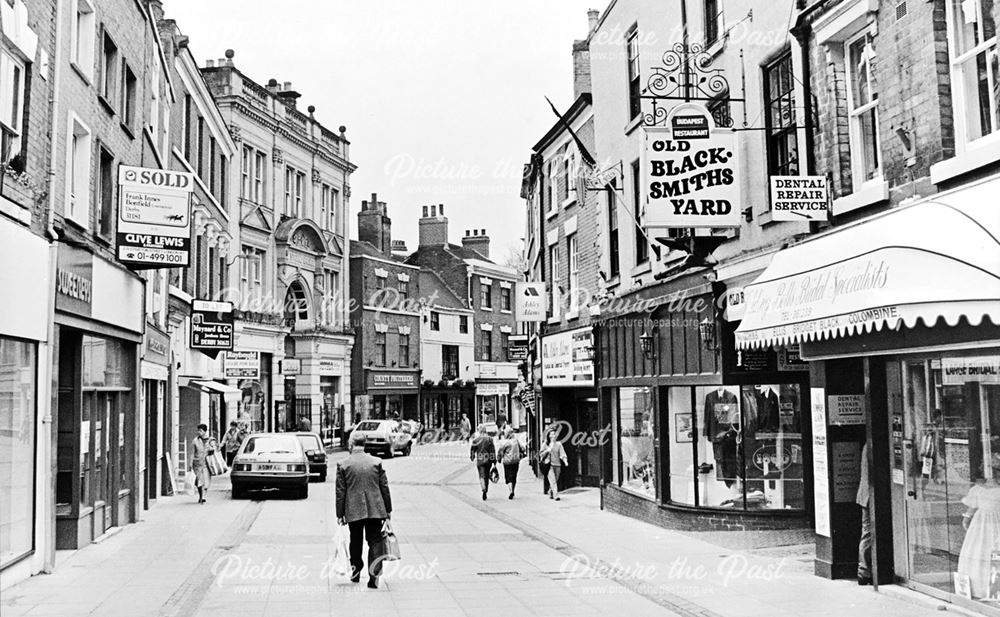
(266, 467)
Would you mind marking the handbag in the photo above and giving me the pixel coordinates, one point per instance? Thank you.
(494, 475)
(216, 464)
(388, 546)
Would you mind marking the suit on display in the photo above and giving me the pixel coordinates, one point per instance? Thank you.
(722, 426)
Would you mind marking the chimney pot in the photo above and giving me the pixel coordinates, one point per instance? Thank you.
(593, 16)
(287, 86)
(441, 209)
(467, 232)
(425, 211)
(209, 63)
(433, 211)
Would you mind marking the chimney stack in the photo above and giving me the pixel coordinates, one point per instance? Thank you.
(433, 226)
(374, 225)
(581, 57)
(477, 241)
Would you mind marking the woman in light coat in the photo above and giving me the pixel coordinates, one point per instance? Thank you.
(510, 454)
(202, 447)
(554, 455)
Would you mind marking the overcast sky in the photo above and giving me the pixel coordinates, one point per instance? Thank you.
(442, 99)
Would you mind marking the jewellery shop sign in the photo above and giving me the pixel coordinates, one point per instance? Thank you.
(690, 171)
(154, 217)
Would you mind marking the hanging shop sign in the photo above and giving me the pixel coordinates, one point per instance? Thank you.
(529, 301)
(242, 365)
(211, 326)
(517, 349)
(799, 198)
(689, 172)
(736, 305)
(154, 217)
(958, 371)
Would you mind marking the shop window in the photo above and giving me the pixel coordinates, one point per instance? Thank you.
(17, 448)
(749, 447)
(945, 470)
(682, 468)
(636, 430)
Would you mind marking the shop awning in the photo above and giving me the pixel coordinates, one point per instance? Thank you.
(934, 259)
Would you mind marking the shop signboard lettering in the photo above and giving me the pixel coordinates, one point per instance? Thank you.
(154, 217)
(846, 409)
(331, 367)
(530, 301)
(959, 371)
(74, 280)
(211, 326)
(291, 366)
(517, 349)
(391, 380)
(821, 471)
(735, 304)
(492, 389)
(789, 359)
(690, 172)
(568, 358)
(156, 346)
(242, 365)
(799, 198)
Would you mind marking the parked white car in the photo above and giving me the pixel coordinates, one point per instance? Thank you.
(385, 437)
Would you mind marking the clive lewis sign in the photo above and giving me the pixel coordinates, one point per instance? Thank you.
(154, 217)
(690, 172)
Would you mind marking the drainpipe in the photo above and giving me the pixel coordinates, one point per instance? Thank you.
(802, 32)
(542, 249)
(48, 360)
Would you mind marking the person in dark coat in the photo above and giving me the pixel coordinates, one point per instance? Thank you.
(363, 504)
(484, 454)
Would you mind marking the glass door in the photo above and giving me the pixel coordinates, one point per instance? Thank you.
(945, 419)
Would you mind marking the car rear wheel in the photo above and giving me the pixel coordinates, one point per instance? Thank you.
(239, 491)
(406, 450)
(304, 491)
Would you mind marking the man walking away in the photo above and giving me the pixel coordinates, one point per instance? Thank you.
(484, 454)
(363, 504)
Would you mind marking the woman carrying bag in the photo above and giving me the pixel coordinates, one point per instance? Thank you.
(202, 448)
(553, 456)
(510, 454)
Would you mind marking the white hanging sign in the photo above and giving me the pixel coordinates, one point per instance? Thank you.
(690, 172)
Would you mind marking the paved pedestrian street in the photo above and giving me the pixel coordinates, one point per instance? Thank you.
(461, 556)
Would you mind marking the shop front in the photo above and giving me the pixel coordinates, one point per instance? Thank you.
(155, 446)
(902, 331)
(390, 394)
(569, 402)
(696, 440)
(99, 316)
(25, 483)
(444, 403)
(494, 383)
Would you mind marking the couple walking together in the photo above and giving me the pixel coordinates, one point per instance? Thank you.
(486, 454)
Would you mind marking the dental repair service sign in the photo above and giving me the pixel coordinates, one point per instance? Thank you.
(690, 172)
(799, 198)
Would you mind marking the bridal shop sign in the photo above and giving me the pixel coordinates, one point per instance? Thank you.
(690, 171)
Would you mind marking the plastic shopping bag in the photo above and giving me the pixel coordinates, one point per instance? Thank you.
(189, 483)
(341, 558)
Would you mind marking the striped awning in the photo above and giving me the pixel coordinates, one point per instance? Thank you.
(937, 259)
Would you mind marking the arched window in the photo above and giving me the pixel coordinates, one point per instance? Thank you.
(296, 303)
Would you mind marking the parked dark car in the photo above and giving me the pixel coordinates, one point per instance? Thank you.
(315, 454)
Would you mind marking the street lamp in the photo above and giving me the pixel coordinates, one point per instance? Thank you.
(647, 342)
(706, 331)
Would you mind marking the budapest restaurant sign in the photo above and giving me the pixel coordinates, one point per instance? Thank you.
(154, 217)
(690, 172)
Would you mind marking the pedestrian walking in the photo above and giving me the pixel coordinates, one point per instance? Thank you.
(483, 452)
(510, 454)
(232, 441)
(466, 427)
(554, 455)
(202, 447)
(863, 499)
(363, 504)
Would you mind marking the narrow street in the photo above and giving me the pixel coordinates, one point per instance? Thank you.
(461, 556)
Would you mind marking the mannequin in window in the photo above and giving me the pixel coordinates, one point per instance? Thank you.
(722, 426)
(767, 409)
